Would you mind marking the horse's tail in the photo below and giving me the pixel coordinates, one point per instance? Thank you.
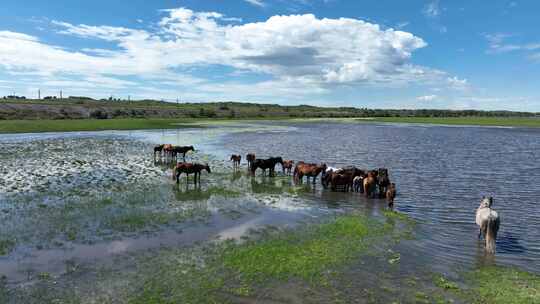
(174, 174)
(492, 227)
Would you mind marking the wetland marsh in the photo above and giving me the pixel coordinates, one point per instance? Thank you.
(89, 217)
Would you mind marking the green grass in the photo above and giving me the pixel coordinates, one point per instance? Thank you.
(34, 126)
(477, 121)
(495, 285)
(500, 285)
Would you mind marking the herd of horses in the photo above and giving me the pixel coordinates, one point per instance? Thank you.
(371, 183)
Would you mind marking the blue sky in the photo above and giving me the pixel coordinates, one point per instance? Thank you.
(376, 54)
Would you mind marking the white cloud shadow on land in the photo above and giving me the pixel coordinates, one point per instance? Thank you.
(296, 52)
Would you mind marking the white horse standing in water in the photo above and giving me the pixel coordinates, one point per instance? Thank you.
(488, 221)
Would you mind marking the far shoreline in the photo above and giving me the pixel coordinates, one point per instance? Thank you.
(119, 124)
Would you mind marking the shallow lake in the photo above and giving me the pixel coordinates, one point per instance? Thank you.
(441, 173)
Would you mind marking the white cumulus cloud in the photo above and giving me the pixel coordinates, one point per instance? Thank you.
(427, 98)
(293, 51)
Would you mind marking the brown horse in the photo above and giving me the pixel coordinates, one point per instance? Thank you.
(236, 159)
(390, 195)
(250, 159)
(189, 168)
(310, 170)
(340, 180)
(370, 183)
(167, 150)
(181, 150)
(158, 150)
(287, 166)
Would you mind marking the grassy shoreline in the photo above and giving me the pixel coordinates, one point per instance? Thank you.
(77, 125)
(531, 122)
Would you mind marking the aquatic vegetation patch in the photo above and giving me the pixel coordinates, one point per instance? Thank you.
(501, 285)
(6, 245)
(494, 285)
(304, 255)
(232, 269)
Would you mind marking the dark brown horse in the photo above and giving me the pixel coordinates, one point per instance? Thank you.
(250, 159)
(189, 168)
(342, 180)
(264, 164)
(390, 195)
(354, 173)
(310, 170)
(158, 150)
(287, 166)
(236, 159)
(383, 181)
(181, 150)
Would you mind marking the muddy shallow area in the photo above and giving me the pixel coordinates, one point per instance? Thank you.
(83, 210)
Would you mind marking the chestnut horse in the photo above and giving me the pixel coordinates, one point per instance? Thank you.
(310, 170)
(189, 168)
(250, 159)
(236, 159)
(370, 183)
(264, 164)
(488, 220)
(287, 166)
(181, 150)
(390, 195)
(167, 150)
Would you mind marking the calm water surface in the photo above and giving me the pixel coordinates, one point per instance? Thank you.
(441, 173)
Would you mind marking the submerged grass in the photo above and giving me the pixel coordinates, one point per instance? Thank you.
(301, 255)
(501, 285)
(495, 285)
(239, 269)
(6, 245)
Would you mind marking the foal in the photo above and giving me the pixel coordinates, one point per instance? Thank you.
(250, 159)
(236, 159)
(390, 195)
(287, 166)
(189, 168)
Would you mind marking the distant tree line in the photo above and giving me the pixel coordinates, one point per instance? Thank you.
(140, 108)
